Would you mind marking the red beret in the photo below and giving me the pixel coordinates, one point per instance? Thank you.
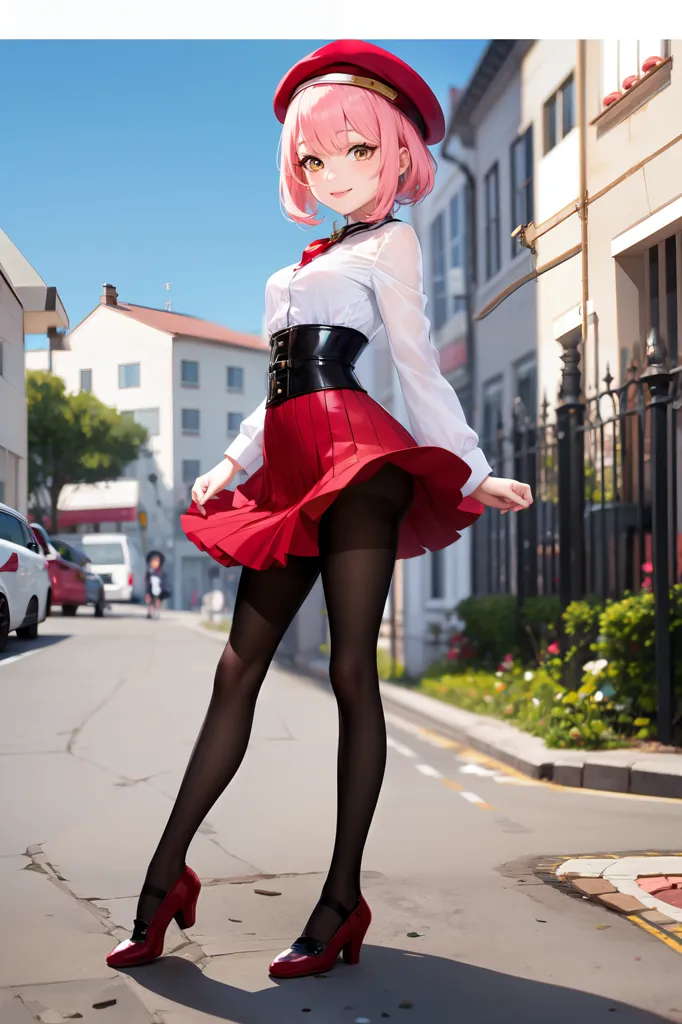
(354, 62)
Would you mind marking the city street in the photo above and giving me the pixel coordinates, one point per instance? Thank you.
(97, 720)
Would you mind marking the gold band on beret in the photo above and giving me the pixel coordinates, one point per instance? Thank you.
(338, 78)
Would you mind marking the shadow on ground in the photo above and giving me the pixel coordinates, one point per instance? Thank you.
(15, 646)
(439, 991)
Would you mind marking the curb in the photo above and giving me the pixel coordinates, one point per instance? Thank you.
(616, 771)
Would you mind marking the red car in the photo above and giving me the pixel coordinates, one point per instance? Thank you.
(68, 579)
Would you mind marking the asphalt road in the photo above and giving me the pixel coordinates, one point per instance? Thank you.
(97, 721)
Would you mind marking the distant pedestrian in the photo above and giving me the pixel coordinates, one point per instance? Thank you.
(156, 589)
(343, 488)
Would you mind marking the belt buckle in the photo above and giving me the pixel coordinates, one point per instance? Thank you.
(279, 380)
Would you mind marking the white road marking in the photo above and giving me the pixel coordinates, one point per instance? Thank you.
(18, 657)
(400, 748)
(426, 769)
(472, 798)
(478, 769)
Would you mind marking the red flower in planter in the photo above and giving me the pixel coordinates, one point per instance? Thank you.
(468, 652)
(646, 583)
(648, 568)
(630, 81)
(452, 655)
(611, 98)
(456, 638)
(554, 648)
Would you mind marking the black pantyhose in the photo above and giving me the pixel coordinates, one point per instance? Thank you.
(358, 539)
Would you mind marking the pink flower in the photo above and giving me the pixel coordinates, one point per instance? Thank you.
(452, 655)
(553, 648)
(646, 583)
(647, 568)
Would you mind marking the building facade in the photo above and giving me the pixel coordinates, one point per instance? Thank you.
(190, 383)
(27, 306)
(433, 584)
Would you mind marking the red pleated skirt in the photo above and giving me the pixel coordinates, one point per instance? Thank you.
(314, 445)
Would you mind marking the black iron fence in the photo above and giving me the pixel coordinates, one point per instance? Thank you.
(605, 481)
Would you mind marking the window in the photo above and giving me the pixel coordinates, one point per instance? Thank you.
(190, 470)
(105, 553)
(234, 422)
(190, 421)
(492, 413)
(129, 375)
(235, 378)
(457, 250)
(492, 221)
(437, 575)
(438, 271)
(86, 380)
(10, 530)
(624, 57)
(189, 373)
(559, 115)
(521, 184)
(527, 387)
(149, 419)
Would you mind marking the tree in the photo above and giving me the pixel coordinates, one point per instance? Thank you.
(74, 439)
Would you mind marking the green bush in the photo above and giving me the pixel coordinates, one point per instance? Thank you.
(385, 666)
(491, 624)
(627, 643)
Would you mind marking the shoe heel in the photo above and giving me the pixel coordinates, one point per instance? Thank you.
(187, 915)
(351, 951)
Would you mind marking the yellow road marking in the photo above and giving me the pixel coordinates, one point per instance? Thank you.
(655, 932)
(454, 785)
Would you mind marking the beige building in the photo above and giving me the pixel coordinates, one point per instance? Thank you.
(27, 306)
(633, 235)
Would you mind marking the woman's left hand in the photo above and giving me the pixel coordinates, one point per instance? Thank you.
(507, 495)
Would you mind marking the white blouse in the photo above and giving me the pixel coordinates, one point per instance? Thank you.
(372, 281)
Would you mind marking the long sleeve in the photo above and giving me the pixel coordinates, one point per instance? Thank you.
(247, 446)
(434, 410)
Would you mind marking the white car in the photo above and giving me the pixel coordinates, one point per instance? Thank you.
(118, 560)
(25, 593)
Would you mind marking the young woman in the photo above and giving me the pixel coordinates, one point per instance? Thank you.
(343, 489)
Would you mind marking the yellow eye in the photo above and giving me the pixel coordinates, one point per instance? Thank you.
(312, 163)
(362, 152)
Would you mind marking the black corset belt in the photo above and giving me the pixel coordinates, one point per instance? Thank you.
(312, 357)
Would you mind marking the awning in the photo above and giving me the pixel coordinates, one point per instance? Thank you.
(114, 501)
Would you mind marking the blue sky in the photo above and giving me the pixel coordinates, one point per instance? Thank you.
(145, 162)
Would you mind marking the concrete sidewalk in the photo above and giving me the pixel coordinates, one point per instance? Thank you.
(621, 771)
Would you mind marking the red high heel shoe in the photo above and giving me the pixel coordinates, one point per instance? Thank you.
(308, 956)
(146, 942)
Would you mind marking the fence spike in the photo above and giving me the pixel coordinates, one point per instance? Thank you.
(608, 377)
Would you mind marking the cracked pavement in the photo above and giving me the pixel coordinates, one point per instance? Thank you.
(95, 731)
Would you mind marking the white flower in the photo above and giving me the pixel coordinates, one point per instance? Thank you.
(599, 696)
(595, 667)
(499, 675)
(528, 676)
(536, 701)
(559, 695)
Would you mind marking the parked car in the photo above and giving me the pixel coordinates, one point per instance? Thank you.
(67, 577)
(25, 588)
(118, 560)
(94, 584)
(73, 581)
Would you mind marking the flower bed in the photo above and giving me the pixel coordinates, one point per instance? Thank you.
(586, 679)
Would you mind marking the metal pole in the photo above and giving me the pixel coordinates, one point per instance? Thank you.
(658, 379)
(570, 420)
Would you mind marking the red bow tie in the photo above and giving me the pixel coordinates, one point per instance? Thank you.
(319, 246)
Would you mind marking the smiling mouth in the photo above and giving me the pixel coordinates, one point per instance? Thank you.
(344, 193)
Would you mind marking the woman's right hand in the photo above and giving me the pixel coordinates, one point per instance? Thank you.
(206, 486)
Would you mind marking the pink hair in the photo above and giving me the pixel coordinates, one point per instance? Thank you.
(320, 115)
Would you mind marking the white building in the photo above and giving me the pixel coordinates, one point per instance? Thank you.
(27, 306)
(190, 383)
